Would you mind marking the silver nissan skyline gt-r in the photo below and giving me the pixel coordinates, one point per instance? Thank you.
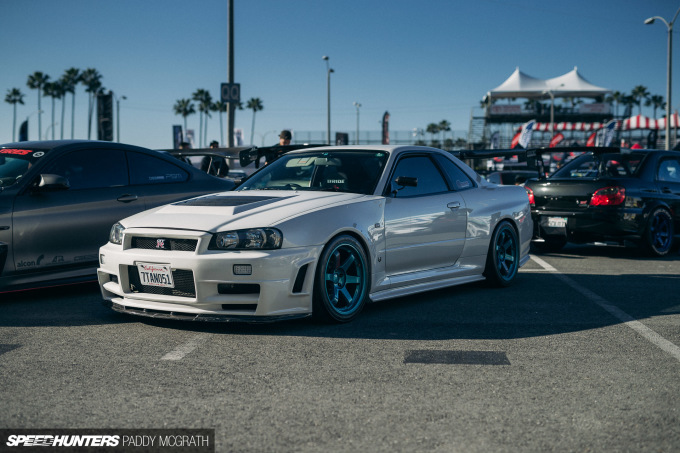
(320, 232)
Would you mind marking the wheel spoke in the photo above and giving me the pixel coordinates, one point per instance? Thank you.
(347, 263)
(352, 280)
(347, 295)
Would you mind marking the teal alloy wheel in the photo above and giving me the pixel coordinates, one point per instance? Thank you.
(342, 281)
(502, 261)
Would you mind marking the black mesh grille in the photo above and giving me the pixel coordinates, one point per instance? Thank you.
(182, 245)
(184, 284)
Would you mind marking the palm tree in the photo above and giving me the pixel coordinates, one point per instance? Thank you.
(432, 129)
(616, 97)
(220, 107)
(628, 101)
(91, 78)
(656, 102)
(200, 96)
(70, 79)
(55, 91)
(14, 97)
(204, 107)
(444, 126)
(37, 81)
(255, 104)
(184, 107)
(639, 93)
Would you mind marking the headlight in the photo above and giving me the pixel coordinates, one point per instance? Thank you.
(116, 234)
(257, 238)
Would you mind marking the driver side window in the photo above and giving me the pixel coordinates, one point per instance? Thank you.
(91, 169)
(429, 179)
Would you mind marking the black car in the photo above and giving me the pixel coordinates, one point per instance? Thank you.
(59, 199)
(608, 195)
(510, 177)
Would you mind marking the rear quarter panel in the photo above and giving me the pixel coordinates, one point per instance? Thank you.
(490, 204)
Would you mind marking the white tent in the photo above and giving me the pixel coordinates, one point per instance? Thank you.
(521, 85)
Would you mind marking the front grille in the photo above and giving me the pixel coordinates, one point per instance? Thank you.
(184, 284)
(153, 243)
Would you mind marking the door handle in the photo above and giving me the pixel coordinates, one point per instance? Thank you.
(666, 190)
(127, 198)
(453, 205)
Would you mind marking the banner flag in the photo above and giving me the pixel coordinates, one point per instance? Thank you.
(591, 139)
(610, 132)
(177, 136)
(496, 140)
(525, 135)
(23, 131)
(556, 139)
(386, 129)
(515, 140)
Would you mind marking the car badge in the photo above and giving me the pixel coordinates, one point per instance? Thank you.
(160, 243)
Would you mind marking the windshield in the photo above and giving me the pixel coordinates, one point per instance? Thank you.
(337, 171)
(14, 163)
(601, 166)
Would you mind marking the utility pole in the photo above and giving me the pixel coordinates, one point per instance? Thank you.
(231, 109)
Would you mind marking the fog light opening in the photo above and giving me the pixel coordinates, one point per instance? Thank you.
(243, 269)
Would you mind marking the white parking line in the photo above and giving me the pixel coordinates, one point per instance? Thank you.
(615, 311)
(186, 348)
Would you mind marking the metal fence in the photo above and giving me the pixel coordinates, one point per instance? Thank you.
(375, 137)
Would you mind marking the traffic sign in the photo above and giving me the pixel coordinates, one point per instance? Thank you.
(231, 92)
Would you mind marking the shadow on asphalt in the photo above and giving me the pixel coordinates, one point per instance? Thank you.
(538, 304)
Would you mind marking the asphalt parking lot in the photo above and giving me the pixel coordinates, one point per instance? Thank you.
(582, 353)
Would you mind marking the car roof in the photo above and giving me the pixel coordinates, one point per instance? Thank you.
(54, 144)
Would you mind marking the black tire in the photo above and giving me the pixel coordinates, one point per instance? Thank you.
(342, 281)
(658, 236)
(550, 244)
(502, 260)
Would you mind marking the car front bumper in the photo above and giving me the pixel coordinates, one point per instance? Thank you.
(210, 285)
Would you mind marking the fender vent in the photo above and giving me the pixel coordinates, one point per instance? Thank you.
(300, 279)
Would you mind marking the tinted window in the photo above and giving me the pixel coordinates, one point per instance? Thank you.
(669, 170)
(90, 169)
(145, 169)
(342, 171)
(459, 180)
(610, 165)
(430, 180)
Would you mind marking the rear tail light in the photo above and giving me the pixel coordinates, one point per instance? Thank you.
(608, 196)
(530, 194)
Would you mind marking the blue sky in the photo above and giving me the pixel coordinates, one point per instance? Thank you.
(422, 61)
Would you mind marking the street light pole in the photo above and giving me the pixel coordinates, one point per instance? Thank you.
(328, 85)
(118, 99)
(552, 112)
(357, 105)
(669, 26)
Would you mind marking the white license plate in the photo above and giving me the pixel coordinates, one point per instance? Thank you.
(152, 274)
(557, 222)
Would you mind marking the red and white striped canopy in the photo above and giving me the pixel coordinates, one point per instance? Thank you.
(642, 122)
(632, 123)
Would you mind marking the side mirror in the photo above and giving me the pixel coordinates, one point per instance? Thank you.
(50, 182)
(406, 181)
(403, 181)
